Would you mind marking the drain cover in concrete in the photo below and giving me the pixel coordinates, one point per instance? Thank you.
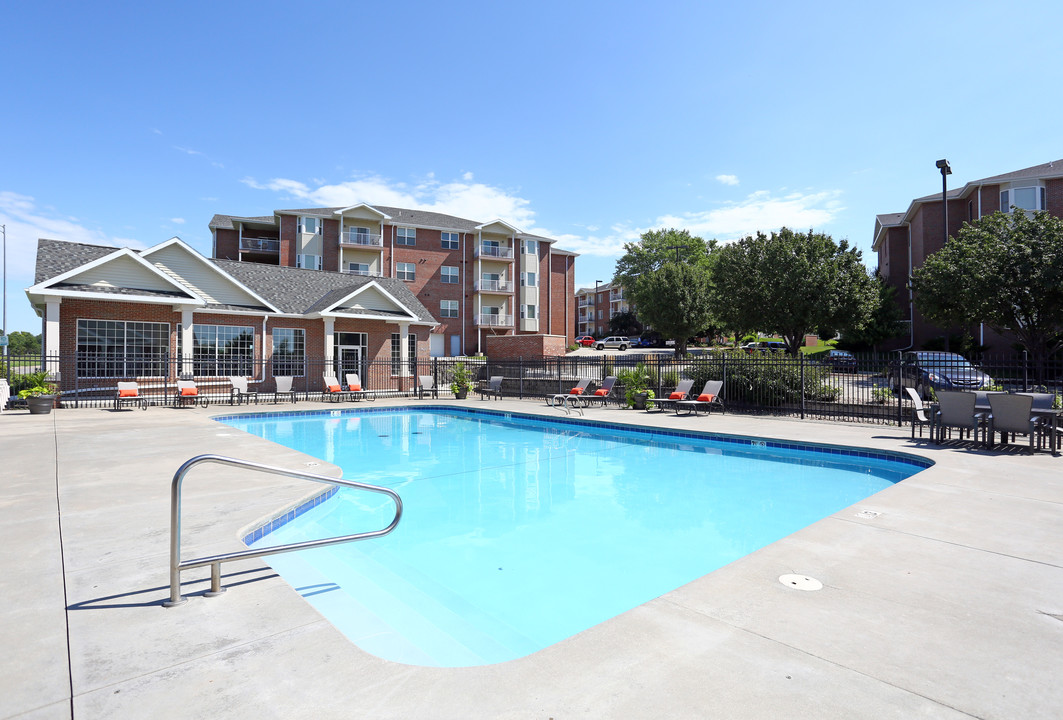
(800, 582)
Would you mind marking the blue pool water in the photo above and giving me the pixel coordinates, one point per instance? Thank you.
(520, 532)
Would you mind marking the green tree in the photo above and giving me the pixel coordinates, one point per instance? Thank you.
(655, 248)
(885, 321)
(792, 284)
(625, 323)
(1006, 270)
(21, 342)
(676, 300)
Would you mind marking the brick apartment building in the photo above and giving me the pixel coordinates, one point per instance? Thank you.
(903, 240)
(593, 315)
(476, 279)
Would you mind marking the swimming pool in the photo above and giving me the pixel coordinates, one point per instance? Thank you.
(520, 531)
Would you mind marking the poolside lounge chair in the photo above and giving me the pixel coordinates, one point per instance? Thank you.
(1011, 414)
(603, 394)
(681, 392)
(333, 391)
(188, 394)
(492, 387)
(564, 398)
(957, 410)
(707, 399)
(354, 387)
(426, 384)
(238, 392)
(128, 393)
(5, 394)
(284, 387)
(919, 416)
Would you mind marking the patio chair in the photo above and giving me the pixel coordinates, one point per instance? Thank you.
(1011, 414)
(239, 392)
(681, 392)
(919, 416)
(284, 387)
(564, 398)
(5, 394)
(492, 387)
(603, 394)
(707, 399)
(957, 410)
(354, 387)
(426, 384)
(188, 394)
(128, 393)
(333, 391)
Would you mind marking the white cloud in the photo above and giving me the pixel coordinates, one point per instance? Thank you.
(759, 211)
(26, 222)
(177, 221)
(463, 198)
(187, 151)
(727, 179)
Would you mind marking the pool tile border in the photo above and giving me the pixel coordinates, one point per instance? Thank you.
(286, 516)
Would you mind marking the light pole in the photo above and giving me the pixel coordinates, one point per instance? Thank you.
(597, 330)
(946, 170)
(3, 330)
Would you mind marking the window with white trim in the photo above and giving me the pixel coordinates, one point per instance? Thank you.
(531, 247)
(289, 352)
(448, 308)
(405, 271)
(448, 275)
(308, 262)
(310, 225)
(450, 240)
(118, 348)
(223, 349)
(405, 236)
(529, 279)
(1024, 198)
(396, 357)
(529, 312)
(358, 268)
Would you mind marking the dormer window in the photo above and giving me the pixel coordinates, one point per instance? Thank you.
(1030, 199)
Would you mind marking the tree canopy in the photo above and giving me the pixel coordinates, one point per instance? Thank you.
(21, 342)
(676, 300)
(655, 248)
(792, 284)
(1006, 270)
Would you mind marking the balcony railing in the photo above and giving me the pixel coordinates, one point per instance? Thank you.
(616, 296)
(494, 286)
(494, 252)
(260, 245)
(584, 302)
(361, 240)
(494, 320)
(364, 273)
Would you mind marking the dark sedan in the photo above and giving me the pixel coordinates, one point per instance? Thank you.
(840, 361)
(937, 370)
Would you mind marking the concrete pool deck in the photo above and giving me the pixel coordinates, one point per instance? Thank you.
(942, 597)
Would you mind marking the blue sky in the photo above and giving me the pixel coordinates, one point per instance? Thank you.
(590, 122)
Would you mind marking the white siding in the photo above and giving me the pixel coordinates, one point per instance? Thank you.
(190, 271)
(122, 272)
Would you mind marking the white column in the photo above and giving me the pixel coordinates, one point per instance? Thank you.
(404, 349)
(330, 343)
(51, 334)
(187, 341)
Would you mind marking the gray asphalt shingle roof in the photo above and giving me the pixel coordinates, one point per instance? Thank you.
(55, 257)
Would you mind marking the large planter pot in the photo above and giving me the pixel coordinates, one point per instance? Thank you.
(461, 394)
(640, 400)
(41, 404)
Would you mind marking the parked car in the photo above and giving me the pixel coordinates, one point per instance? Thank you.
(764, 346)
(840, 361)
(585, 341)
(938, 370)
(620, 342)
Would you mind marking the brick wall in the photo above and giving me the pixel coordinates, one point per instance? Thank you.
(1054, 196)
(330, 245)
(511, 347)
(227, 244)
(289, 247)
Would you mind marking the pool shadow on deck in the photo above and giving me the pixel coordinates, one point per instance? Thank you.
(103, 603)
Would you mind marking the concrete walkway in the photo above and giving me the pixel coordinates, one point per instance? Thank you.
(942, 597)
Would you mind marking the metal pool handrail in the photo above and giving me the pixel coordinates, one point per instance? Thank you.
(215, 561)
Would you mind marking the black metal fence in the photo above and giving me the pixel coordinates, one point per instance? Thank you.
(872, 388)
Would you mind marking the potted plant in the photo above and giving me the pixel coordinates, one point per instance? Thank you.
(460, 383)
(637, 392)
(38, 393)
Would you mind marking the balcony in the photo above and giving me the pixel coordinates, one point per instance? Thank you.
(248, 244)
(493, 252)
(585, 302)
(363, 273)
(354, 239)
(616, 296)
(493, 320)
(493, 286)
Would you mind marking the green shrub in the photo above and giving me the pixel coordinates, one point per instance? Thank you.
(763, 382)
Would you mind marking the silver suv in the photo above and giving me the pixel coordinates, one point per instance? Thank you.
(619, 342)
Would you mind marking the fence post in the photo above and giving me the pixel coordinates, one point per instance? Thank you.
(520, 382)
(1025, 372)
(801, 361)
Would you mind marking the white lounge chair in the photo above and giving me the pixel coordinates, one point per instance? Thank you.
(426, 385)
(284, 387)
(919, 416)
(188, 394)
(354, 387)
(239, 392)
(333, 391)
(128, 393)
